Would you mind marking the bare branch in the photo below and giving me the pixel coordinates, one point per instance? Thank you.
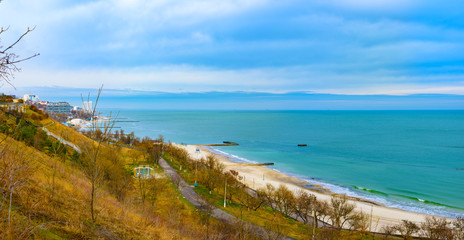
(4, 30)
(17, 41)
(9, 60)
(25, 59)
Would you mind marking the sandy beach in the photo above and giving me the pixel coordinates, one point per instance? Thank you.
(257, 177)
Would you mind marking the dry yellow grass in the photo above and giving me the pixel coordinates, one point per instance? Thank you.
(66, 133)
(56, 198)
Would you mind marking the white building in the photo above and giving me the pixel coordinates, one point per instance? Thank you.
(76, 121)
(31, 97)
(88, 106)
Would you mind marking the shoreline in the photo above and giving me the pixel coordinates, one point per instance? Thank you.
(363, 194)
(257, 177)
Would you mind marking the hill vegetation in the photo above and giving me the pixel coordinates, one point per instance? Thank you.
(45, 190)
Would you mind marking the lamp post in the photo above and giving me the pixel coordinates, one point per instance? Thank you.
(196, 165)
(225, 192)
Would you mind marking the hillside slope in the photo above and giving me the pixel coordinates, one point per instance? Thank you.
(45, 191)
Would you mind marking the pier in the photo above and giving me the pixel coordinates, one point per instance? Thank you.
(224, 143)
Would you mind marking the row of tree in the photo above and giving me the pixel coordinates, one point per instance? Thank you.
(339, 213)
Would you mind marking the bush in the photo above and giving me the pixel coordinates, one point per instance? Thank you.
(27, 134)
(437, 228)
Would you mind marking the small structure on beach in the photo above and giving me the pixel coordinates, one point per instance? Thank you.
(144, 172)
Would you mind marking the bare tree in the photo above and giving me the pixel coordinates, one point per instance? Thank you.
(341, 211)
(56, 148)
(322, 210)
(284, 199)
(16, 168)
(233, 185)
(154, 190)
(407, 229)
(250, 201)
(387, 231)
(211, 176)
(268, 194)
(100, 132)
(437, 228)
(143, 188)
(458, 228)
(9, 60)
(281, 199)
(304, 206)
(359, 222)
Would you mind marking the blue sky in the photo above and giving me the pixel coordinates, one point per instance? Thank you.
(363, 47)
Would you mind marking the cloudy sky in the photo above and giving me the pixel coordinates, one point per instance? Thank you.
(362, 47)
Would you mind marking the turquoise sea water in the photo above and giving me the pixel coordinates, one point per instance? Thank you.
(404, 159)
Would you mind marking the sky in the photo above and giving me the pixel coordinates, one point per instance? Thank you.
(335, 47)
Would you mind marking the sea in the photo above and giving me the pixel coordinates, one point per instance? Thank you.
(411, 160)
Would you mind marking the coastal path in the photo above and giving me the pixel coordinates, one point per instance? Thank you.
(44, 128)
(74, 146)
(187, 191)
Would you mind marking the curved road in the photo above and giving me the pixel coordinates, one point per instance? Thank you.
(187, 191)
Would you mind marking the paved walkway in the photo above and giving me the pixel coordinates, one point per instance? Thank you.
(62, 140)
(187, 191)
(44, 128)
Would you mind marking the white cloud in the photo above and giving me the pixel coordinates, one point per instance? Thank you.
(277, 80)
(381, 5)
(322, 49)
(399, 90)
(201, 37)
(118, 19)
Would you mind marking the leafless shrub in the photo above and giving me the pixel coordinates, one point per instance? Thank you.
(304, 206)
(211, 174)
(407, 229)
(284, 199)
(359, 222)
(458, 228)
(16, 168)
(233, 185)
(268, 194)
(249, 201)
(341, 211)
(322, 210)
(100, 132)
(437, 228)
(388, 231)
(281, 199)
